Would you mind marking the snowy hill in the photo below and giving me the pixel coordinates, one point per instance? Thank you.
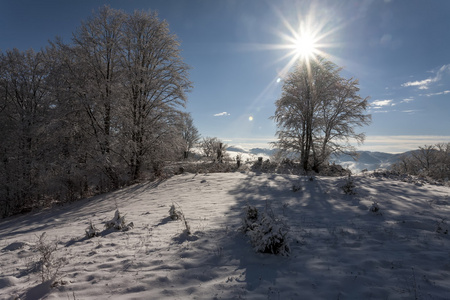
(339, 249)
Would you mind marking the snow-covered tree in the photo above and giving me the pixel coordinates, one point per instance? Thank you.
(24, 113)
(97, 81)
(432, 161)
(155, 86)
(190, 134)
(318, 112)
(213, 147)
(91, 115)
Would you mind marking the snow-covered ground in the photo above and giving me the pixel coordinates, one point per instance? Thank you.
(339, 248)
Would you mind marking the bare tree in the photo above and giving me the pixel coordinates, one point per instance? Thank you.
(442, 169)
(190, 134)
(208, 146)
(97, 76)
(430, 161)
(90, 116)
(213, 148)
(426, 157)
(24, 115)
(155, 86)
(318, 112)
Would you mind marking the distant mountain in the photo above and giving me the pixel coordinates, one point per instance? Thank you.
(250, 154)
(367, 159)
(263, 151)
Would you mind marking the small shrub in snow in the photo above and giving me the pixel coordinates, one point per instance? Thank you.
(349, 186)
(177, 214)
(268, 234)
(375, 208)
(174, 213)
(251, 218)
(442, 227)
(118, 222)
(49, 264)
(296, 188)
(91, 231)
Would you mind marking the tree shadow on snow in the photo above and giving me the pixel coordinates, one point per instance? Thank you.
(326, 224)
(80, 210)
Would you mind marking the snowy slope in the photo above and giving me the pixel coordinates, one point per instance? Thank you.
(339, 249)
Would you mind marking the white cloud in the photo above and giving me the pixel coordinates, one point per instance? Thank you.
(222, 114)
(437, 94)
(407, 100)
(382, 102)
(424, 84)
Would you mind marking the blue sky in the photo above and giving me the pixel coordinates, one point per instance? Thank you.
(398, 49)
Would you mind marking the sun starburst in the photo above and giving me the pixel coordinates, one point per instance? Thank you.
(306, 41)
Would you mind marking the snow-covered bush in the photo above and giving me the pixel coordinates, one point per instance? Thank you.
(91, 231)
(375, 208)
(349, 186)
(334, 170)
(118, 222)
(49, 264)
(174, 213)
(296, 188)
(249, 222)
(177, 214)
(267, 234)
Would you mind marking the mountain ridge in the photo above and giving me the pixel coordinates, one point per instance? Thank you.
(369, 160)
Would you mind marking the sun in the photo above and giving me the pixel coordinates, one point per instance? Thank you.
(306, 38)
(305, 46)
(303, 43)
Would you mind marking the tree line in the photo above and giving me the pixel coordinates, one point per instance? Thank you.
(430, 161)
(94, 114)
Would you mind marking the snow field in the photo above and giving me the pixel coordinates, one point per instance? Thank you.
(339, 249)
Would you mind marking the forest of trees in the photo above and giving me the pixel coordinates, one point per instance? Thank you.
(318, 112)
(94, 114)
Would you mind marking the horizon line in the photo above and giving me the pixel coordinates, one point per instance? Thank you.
(393, 144)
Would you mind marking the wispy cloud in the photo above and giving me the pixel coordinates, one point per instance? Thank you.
(380, 103)
(424, 84)
(407, 100)
(437, 94)
(222, 114)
